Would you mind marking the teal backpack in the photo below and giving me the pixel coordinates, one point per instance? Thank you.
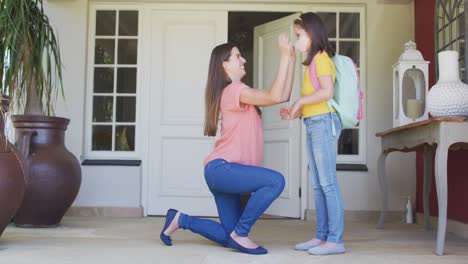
(347, 98)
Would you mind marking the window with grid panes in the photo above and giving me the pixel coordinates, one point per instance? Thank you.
(114, 81)
(344, 33)
(450, 30)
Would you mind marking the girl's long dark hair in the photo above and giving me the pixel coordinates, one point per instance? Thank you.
(217, 81)
(313, 25)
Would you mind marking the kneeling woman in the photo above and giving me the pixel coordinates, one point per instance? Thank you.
(233, 167)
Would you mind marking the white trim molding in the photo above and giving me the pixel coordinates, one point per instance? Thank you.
(131, 212)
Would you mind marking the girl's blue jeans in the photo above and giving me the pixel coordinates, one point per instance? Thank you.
(321, 154)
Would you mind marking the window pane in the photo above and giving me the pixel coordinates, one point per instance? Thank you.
(447, 37)
(454, 31)
(104, 51)
(102, 108)
(103, 80)
(461, 44)
(350, 49)
(105, 23)
(349, 25)
(462, 75)
(441, 39)
(333, 43)
(125, 138)
(126, 107)
(348, 144)
(128, 51)
(102, 138)
(461, 24)
(329, 20)
(128, 23)
(126, 80)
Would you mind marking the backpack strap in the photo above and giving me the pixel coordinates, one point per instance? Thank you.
(331, 103)
(361, 94)
(361, 97)
(313, 74)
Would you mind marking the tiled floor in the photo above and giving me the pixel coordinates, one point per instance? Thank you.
(134, 241)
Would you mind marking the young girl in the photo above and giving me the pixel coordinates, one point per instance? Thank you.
(319, 120)
(233, 167)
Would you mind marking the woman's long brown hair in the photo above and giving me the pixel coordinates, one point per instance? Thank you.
(313, 25)
(217, 81)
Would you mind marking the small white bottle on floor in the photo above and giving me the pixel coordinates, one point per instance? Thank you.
(409, 211)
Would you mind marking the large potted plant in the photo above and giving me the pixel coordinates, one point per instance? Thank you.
(33, 78)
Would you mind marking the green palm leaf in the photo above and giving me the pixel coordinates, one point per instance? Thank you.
(29, 56)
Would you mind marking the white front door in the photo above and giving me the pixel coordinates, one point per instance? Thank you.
(282, 150)
(181, 44)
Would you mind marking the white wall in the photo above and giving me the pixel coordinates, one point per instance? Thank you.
(110, 186)
(69, 18)
(389, 26)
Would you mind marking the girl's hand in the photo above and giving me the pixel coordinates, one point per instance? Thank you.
(292, 113)
(285, 46)
(296, 109)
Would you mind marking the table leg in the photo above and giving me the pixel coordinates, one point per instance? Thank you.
(441, 186)
(427, 185)
(383, 188)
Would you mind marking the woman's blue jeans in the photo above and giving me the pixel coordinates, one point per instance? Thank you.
(321, 152)
(227, 181)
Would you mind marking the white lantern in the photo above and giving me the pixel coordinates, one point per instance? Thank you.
(410, 87)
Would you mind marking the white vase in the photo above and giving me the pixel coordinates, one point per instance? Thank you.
(449, 96)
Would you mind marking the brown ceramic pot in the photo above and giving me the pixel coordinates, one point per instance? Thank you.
(54, 172)
(12, 173)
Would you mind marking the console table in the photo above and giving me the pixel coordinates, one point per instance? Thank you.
(435, 134)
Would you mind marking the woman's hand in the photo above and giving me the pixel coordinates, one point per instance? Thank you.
(284, 113)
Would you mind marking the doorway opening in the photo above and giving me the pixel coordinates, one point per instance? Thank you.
(241, 33)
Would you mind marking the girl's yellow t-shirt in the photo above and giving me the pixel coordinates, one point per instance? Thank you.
(324, 66)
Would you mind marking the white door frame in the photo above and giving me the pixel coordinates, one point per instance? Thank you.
(264, 7)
